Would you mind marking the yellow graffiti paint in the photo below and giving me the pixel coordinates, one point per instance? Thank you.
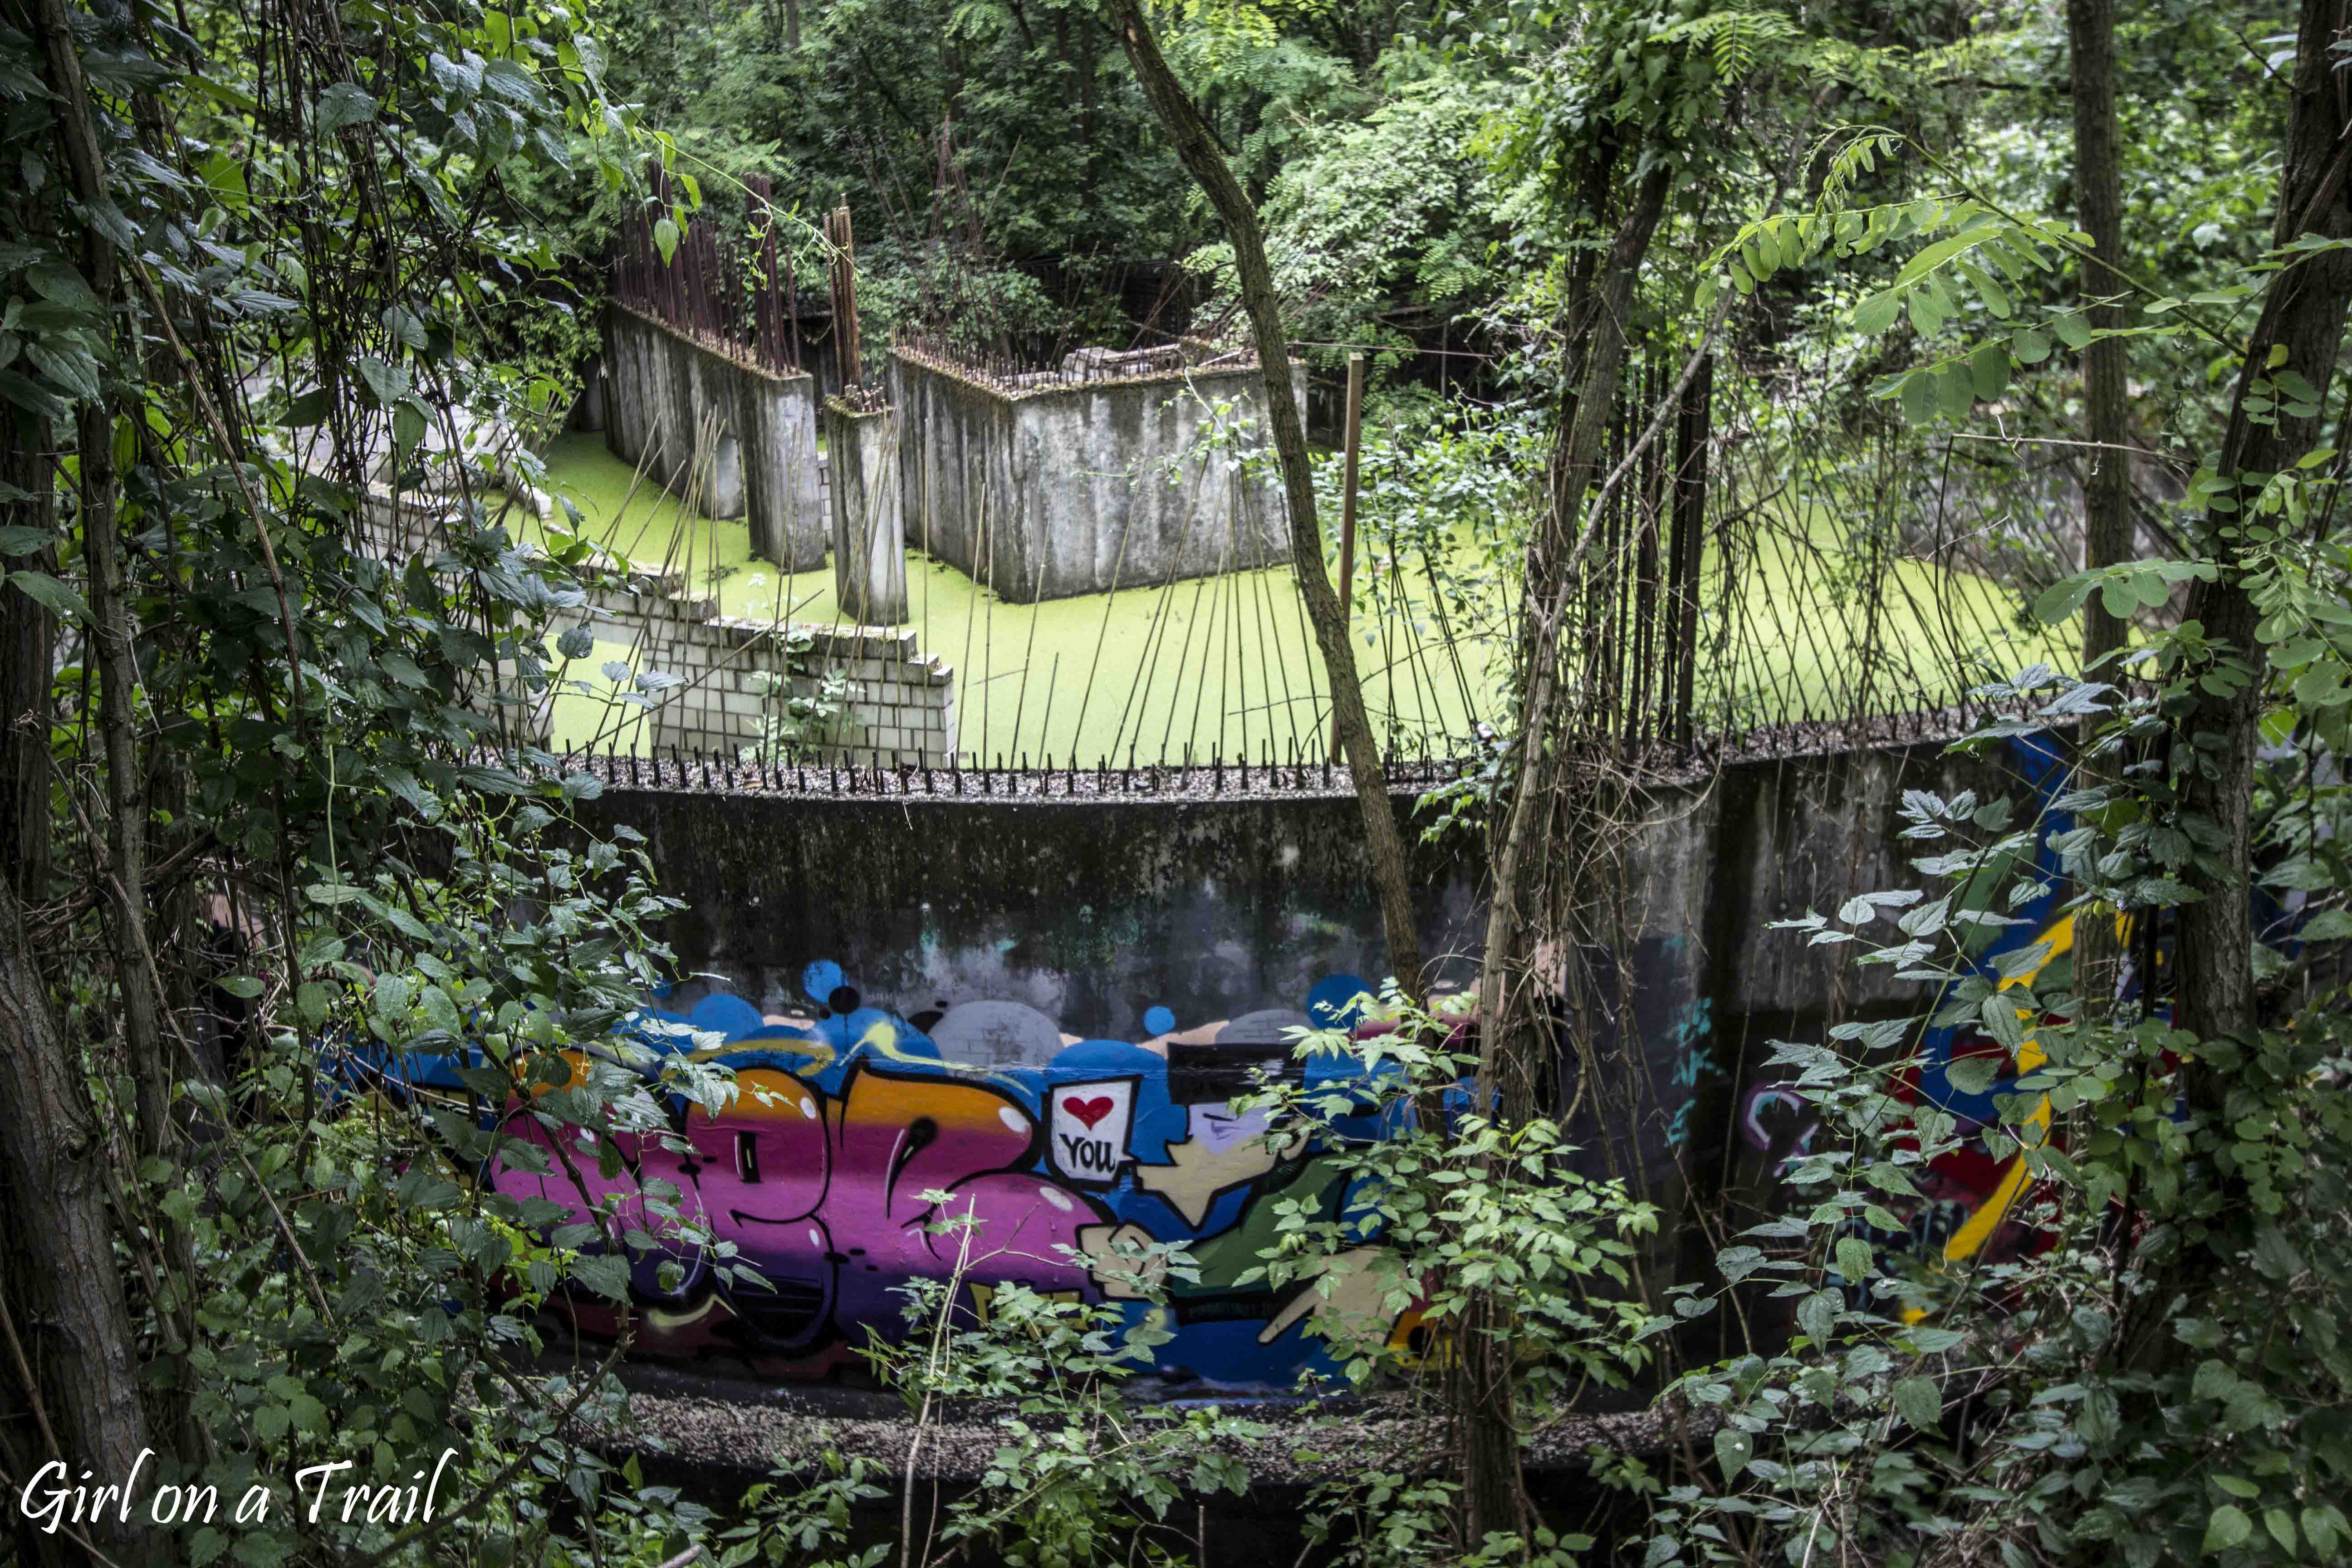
(1965, 1242)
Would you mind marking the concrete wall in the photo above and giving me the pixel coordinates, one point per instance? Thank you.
(658, 386)
(1042, 1007)
(869, 546)
(1096, 909)
(1090, 912)
(1093, 912)
(1056, 491)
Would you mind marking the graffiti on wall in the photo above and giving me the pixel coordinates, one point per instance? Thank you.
(1969, 1199)
(853, 1132)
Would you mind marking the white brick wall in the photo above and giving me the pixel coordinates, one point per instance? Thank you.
(904, 701)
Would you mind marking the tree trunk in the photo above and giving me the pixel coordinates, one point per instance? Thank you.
(2108, 530)
(1598, 340)
(1512, 1046)
(126, 828)
(64, 1297)
(28, 635)
(2302, 315)
(1207, 166)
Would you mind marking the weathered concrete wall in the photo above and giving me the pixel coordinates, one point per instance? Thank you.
(1096, 909)
(1688, 1015)
(658, 387)
(1041, 1009)
(1093, 913)
(1051, 491)
(869, 545)
(900, 707)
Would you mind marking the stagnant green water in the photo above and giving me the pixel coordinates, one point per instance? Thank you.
(1228, 665)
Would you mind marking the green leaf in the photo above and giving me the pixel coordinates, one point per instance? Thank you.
(57, 597)
(605, 1275)
(2030, 344)
(345, 103)
(1935, 255)
(1817, 1316)
(1877, 313)
(1956, 390)
(16, 541)
(2327, 925)
(1988, 369)
(2281, 1524)
(61, 285)
(1972, 1075)
(1733, 1449)
(2073, 331)
(2062, 599)
(1999, 1015)
(1920, 1402)
(2228, 1526)
(666, 237)
(2319, 1528)
(1925, 318)
(388, 381)
(1918, 397)
(1853, 1260)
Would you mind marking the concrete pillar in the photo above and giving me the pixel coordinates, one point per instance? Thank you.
(869, 543)
(588, 411)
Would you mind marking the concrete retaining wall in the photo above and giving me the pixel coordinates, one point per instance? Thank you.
(657, 388)
(901, 706)
(1096, 909)
(1043, 1007)
(1053, 491)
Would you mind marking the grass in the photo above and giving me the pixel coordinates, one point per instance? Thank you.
(1227, 665)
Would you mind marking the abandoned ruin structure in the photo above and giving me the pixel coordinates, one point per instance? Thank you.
(1106, 469)
(1038, 987)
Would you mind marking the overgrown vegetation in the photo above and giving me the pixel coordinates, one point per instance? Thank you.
(294, 291)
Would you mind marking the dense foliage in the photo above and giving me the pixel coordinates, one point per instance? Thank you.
(294, 286)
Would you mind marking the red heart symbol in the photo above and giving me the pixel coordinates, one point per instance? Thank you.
(1090, 1110)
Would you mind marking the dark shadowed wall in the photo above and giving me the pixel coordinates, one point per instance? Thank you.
(1092, 912)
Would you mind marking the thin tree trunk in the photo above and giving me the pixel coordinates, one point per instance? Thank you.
(2302, 315)
(28, 635)
(64, 1297)
(126, 828)
(1198, 151)
(2108, 529)
(1503, 1074)
(1510, 1045)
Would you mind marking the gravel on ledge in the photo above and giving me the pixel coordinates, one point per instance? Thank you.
(719, 1426)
